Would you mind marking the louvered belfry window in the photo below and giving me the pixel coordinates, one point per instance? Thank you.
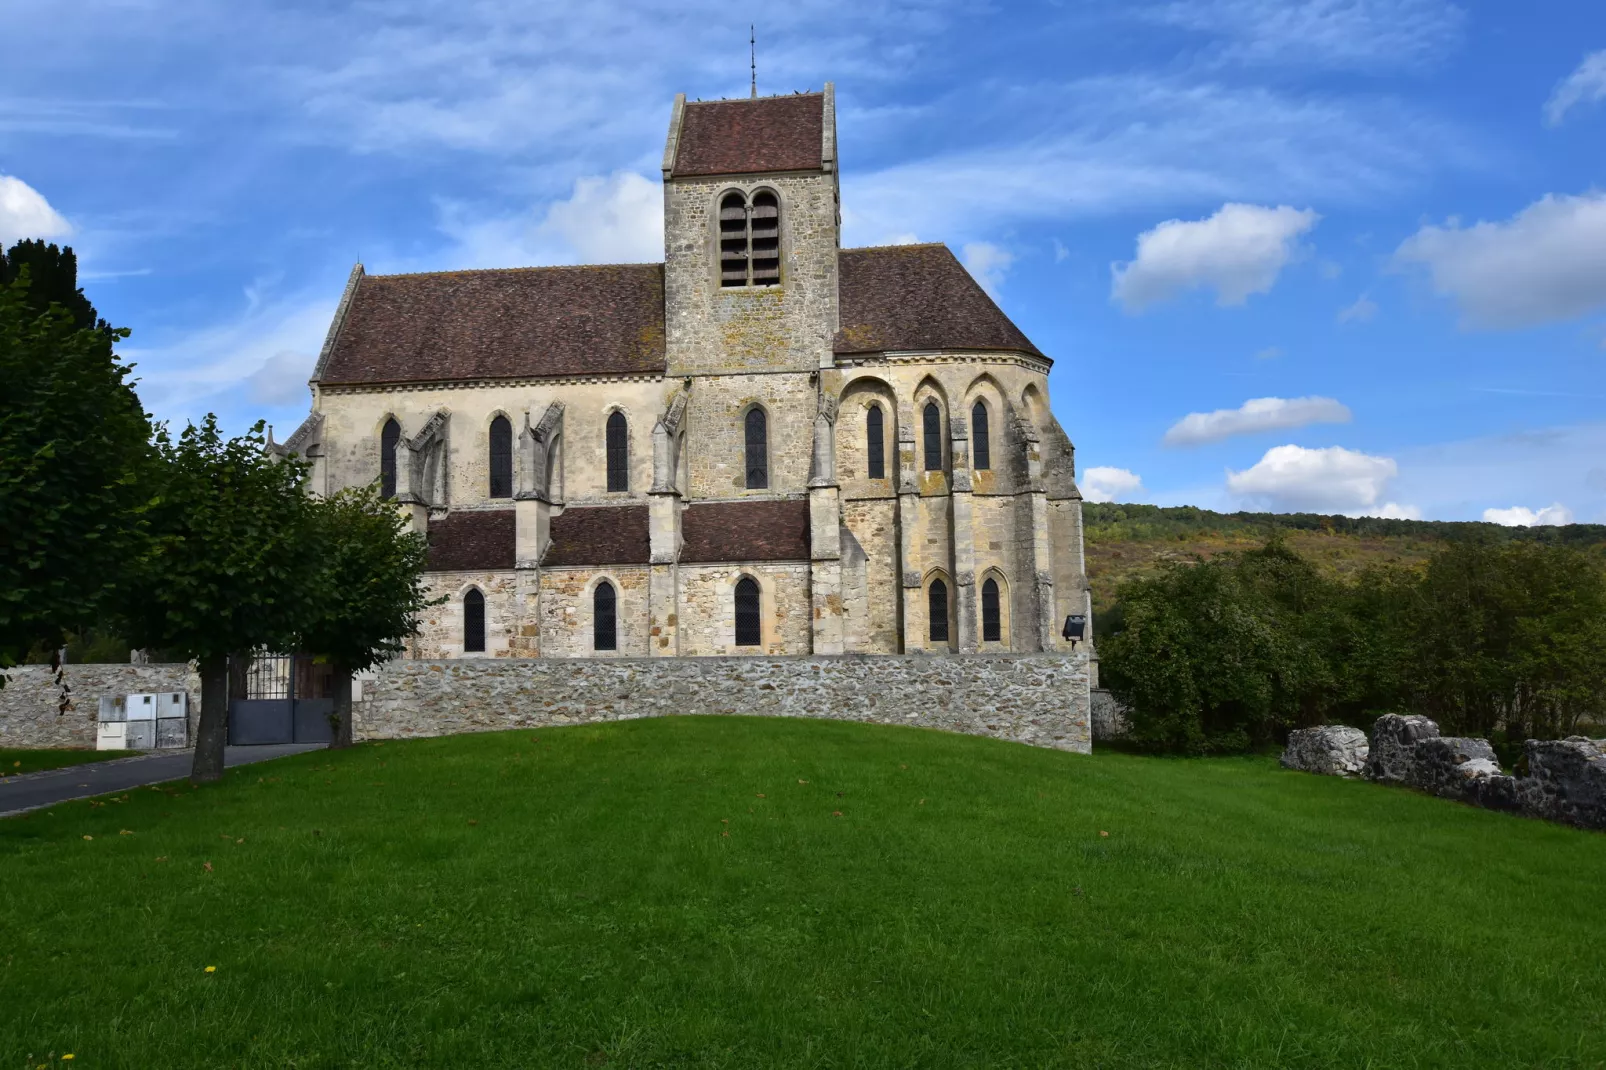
(991, 628)
(473, 622)
(389, 439)
(604, 617)
(932, 420)
(980, 448)
(937, 610)
(618, 452)
(875, 442)
(749, 631)
(501, 458)
(750, 239)
(758, 449)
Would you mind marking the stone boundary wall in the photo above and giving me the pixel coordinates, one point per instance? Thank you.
(29, 713)
(1565, 780)
(1039, 699)
(1110, 721)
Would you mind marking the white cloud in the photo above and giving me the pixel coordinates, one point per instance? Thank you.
(1586, 85)
(1105, 484)
(1255, 416)
(1359, 34)
(1362, 311)
(24, 213)
(1238, 251)
(1392, 511)
(282, 379)
(1519, 516)
(605, 220)
(1329, 479)
(989, 264)
(1546, 263)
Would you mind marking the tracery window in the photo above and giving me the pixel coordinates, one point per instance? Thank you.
(980, 448)
(473, 622)
(748, 625)
(756, 430)
(931, 417)
(389, 439)
(604, 617)
(749, 239)
(618, 452)
(937, 610)
(992, 630)
(875, 443)
(501, 458)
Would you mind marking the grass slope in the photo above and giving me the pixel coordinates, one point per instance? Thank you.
(15, 761)
(1126, 541)
(706, 892)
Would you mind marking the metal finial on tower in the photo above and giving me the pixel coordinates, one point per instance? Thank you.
(752, 57)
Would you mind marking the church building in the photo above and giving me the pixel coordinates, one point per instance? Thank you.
(765, 444)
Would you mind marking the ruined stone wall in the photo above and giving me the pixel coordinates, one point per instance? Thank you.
(29, 702)
(1035, 699)
(708, 609)
(709, 328)
(567, 621)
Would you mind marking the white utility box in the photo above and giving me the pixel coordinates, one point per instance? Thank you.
(142, 707)
(112, 735)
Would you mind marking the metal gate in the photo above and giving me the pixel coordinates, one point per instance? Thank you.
(289, 698)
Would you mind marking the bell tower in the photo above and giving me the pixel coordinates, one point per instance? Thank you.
(751, 234)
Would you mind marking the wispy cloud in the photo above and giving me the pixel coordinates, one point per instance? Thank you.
(1362, 310)
(1343, 34)
(1585, 85)
(611, 219)
(989, 264)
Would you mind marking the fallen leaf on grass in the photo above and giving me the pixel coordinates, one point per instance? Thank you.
(89, 837)
(836, 813)
(162, 858)
(725, 833)
(802, 781)
(239, 841)
(125, 832)
(211, 969)
(761, 795)
(473, 822)
(207, 866)
(1103, 833)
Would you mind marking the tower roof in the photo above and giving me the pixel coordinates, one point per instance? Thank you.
(737, 137)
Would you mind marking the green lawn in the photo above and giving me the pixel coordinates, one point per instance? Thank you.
(762, 893)
(17, 760)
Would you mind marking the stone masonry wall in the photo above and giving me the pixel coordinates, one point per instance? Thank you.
(1035, 699)
(29, 715)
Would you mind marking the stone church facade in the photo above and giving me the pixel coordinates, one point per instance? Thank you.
(766, 444)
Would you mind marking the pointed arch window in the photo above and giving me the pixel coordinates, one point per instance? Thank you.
(618, 452)
(937, 610)
(750, 239)
(749, 629)
(389, 439)
(931, 419)
(981, 452)
(501, 458)
(473, 622)
(756, 430)
(875, 442)
(604, 617)
(992, 629)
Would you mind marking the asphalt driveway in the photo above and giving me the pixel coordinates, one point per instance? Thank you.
(32, 791)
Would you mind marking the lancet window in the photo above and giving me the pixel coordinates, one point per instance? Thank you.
(604, 617)
(749, 629)
(618, 437)
(981, 453)
(756, 431)
(501, 458)
(931, 419)
(750, 239)
(875, 442)
(937, 610)
(992, 629)
(473, 622)
(389, 439)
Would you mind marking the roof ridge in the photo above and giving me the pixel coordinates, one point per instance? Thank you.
(896, 245)
(753, 100)
(510, 270)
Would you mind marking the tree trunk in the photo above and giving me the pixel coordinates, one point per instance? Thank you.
(212, 732)
(342, 715)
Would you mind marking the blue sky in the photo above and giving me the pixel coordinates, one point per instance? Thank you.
(1347, 255)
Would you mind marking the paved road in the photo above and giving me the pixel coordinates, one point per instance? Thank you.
(35, 790)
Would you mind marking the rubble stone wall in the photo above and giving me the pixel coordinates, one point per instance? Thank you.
(30, 714)
(1036, 699)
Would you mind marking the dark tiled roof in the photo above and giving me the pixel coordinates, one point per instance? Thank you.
(599, 535)
(917, 297)
(472, 539)
(745, 531)
(738, 137)
(516, 323)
